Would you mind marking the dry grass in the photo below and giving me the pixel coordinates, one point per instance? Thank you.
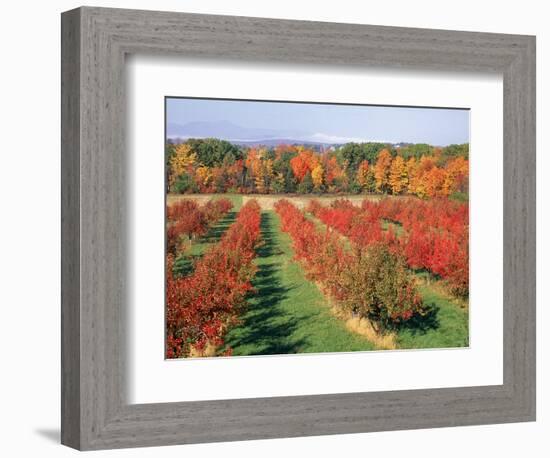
(199, 198)
(208, 350)
(267, 201)
(364, 327)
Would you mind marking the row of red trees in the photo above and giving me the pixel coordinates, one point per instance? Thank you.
(202, 306)
(435, 234)
(369, 281)
(187, 220)
(435, 237)
(362, 228)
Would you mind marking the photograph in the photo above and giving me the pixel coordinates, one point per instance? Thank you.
(299, 227)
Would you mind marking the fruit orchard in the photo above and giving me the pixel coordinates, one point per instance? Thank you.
(361, 257)
(292, 249)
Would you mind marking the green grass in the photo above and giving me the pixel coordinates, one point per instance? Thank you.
(236, 200)
(445, 325)
(288, 314)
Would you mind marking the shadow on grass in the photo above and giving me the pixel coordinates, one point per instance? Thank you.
(421, 324)
(424, 273)
(266, 329)
(216, 232)
(184, 265)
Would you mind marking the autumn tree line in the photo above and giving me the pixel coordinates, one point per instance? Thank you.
(218, 166)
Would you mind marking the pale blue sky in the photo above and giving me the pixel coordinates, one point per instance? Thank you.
(324, 122)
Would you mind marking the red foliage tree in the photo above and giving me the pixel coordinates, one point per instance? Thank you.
(186, 218)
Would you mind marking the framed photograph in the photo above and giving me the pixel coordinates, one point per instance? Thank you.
(277, 228)
(379, 229)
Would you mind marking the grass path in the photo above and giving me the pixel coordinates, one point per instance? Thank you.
(184, 263)
(288, 314)
(446, 326)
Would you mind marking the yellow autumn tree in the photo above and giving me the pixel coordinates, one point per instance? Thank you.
(398, 175)
(268, 174)
(317, 176)
(362, 176)
(181, 161)
(257, 166)
(278, 182)
(204, 175)
(263, 174)
(382, 170)
(259, 178)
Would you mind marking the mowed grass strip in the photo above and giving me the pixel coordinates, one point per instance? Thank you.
(445, 326)
(183, 264)
(288, 313)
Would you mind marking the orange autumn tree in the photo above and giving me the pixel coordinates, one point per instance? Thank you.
(304, 162)
(425, 165)
(282, 148)
(456, 179)
(434, 180)
(382, 170)
(333, 172)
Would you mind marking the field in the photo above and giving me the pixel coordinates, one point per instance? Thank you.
(280, 302)
(267, 202)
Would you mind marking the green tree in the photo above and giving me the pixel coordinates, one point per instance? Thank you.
(306, 185)
(290, 181)
(453, 151)
(212, 151)
(184, 183)
(416, 150)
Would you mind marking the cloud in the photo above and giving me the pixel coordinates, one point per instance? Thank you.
(326, 138)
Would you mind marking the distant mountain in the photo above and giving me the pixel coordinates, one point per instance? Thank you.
(252, 136)
(225, 130)
(269, 142)
(284, 141)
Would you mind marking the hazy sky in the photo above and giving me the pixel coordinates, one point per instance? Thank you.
(329, 123)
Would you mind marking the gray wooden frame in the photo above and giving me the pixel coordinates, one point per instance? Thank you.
(95, 413)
